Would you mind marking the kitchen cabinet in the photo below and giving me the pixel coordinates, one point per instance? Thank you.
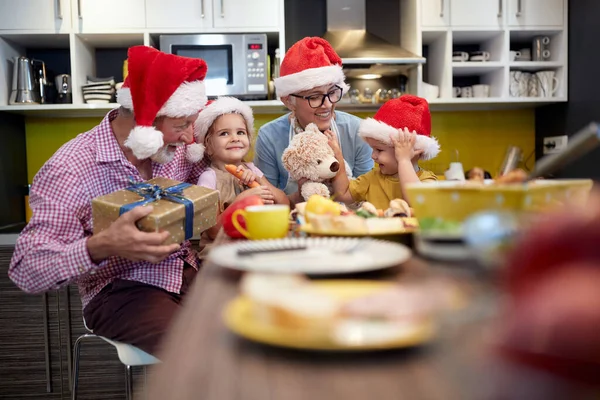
(476, 13)
(36, 15)
(213, 14)
(435, 13)
(94, 16)
(262, 14)
(531, 13)
(179, 14)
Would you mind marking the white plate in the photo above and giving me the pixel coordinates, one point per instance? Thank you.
(322, 255)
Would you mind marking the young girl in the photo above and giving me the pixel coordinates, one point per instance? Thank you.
(225, 129)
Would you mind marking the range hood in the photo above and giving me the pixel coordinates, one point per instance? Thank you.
(347, 33)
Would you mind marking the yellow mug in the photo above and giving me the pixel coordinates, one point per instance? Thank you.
(269, 221)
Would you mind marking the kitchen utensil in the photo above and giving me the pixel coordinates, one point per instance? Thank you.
(584, 141)
(64, 88)
(512, 159)
(26, 81)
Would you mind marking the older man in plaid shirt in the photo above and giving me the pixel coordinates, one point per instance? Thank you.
(131, 284)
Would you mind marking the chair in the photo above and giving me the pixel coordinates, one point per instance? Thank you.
(129, 355)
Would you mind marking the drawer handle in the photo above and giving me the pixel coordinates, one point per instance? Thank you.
(59, 9)
(519, 8)
(441, 8)
(79, 10)
(222, 9)
(500, 9)
(202, 8)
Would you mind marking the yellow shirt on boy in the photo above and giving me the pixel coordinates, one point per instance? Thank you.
(379, 189)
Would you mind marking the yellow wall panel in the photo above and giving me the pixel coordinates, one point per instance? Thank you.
(481, 137)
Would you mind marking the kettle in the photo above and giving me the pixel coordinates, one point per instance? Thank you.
(28, 83)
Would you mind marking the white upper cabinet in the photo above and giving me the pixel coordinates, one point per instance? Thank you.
(179, 14)
(36, 15)
(262, 14)
(523, 13)
(104, 16)
(435, 13)
(477, 13)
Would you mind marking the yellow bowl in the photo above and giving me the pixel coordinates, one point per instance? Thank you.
(442, 207)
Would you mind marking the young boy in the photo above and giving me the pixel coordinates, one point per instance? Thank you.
(400, 135)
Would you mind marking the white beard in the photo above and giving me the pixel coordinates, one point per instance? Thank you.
(163, 155)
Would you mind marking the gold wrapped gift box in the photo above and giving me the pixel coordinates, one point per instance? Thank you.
(166, 216)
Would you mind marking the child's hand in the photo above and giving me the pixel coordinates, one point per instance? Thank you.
(404, 145)
(247, 176)
(334, 144)
(263, 192)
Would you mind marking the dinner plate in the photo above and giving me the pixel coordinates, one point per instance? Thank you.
(240, 318)
(310, 255)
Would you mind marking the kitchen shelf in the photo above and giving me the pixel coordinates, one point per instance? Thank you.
(534, 65)
(475, 67)
(277, 107)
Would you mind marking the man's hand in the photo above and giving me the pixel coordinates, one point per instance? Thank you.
(124, 239)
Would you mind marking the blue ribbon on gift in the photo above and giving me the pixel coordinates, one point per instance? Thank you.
(151, 193)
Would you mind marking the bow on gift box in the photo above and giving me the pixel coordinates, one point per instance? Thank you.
(151, 193)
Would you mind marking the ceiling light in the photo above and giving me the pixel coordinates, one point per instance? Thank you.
(369, 76)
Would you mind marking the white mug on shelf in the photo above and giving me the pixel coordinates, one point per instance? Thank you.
(481, 90)
(525, 55)
(513, 55)
(430, 91)
(460, 56)
(547, 83)
(519, 84)
(479, 56)
(455, 91)
(466, 91)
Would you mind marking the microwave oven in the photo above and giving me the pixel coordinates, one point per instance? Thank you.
(237, 63)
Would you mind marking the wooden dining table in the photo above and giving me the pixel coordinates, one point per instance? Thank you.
(202, 359)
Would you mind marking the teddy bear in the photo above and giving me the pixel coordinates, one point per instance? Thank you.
(309, 156)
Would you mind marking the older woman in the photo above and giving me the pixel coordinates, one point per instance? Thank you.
(311, 83)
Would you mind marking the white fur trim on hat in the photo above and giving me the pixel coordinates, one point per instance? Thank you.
(221, 106)
(429, 145)
(124, 98)
(380, 131)
(186, 100)
(195, 152)
(144, 141)
(310, 79)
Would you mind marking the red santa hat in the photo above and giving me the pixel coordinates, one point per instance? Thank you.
(309, 63)
(213, 110)
(408, 111)
(159, 84)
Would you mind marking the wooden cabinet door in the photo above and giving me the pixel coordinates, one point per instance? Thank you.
(435, 13)
(36, 15)
(539, 13)
(259, 14)
(477, 13)
(179, 14)
(108, 16)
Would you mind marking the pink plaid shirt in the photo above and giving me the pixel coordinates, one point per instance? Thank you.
(51, 251)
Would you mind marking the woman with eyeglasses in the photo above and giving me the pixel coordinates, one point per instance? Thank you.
(311, 83)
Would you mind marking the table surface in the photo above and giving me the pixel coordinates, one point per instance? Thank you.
(202, 359)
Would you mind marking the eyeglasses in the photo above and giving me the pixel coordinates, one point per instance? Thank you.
(317, 100)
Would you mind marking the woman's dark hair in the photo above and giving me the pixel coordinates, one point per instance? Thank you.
(486, 174)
